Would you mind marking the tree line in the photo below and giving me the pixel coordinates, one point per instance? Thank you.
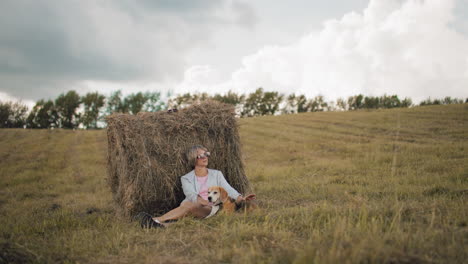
(70, 110)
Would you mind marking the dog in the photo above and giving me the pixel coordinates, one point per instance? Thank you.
(221, 200)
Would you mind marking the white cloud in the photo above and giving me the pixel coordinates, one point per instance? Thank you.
(393, 47)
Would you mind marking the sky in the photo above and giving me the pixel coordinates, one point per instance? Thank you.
(412, 48)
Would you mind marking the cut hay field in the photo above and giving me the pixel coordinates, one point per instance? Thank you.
(387, 186)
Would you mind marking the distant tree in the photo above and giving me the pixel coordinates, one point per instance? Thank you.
(446, 100)
(270, 103)
(187, 99)
(19, 114)
(5, 110)
(13, 114)
(43, 115)
(317, 104)
(291, 105)
(153, 102)
(135, 102)
(93, 102)
(341, 104)
(252, 103)
(296, 104)
(200, 97)
(115, 103)
(428, 101)
(230, 98)
(180, 101)
(355, 102)
(262, 103)
(407, 102)
(330, 106)
(371, 102)
(390, 101)
(301, 103)
(67, 106)
(450, 100)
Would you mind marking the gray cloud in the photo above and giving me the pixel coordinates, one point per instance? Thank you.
(46, 46)
(245, 14)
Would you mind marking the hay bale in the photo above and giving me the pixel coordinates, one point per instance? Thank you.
(147, 154)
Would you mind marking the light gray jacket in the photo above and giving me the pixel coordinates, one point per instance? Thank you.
(215, 178)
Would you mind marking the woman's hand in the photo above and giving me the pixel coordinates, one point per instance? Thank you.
(202, 201)
(249, 197)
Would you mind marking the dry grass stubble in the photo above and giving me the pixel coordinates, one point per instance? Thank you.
(324, 181)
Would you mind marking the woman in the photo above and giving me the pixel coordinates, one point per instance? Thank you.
(195, 185)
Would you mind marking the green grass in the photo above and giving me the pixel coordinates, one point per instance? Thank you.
(384, 186)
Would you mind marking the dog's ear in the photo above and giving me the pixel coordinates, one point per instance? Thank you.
(223, 194)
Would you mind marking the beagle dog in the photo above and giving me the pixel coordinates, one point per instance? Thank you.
(220, 199)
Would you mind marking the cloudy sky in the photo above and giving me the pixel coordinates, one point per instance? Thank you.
(414, 48)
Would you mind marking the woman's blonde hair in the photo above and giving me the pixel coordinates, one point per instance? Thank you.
(193, 153)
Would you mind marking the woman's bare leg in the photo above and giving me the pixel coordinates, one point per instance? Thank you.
(186, 208)
(176, 213)
(200, 211)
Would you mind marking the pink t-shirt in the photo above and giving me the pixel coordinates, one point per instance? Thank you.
(203, 187)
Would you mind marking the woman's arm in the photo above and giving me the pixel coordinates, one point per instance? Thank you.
(189, 190)
(231, 191)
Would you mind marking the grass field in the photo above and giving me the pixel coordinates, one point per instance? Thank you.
(387, 186)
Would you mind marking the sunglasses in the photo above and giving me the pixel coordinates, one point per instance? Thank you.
(173, 110)
(204, 155)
